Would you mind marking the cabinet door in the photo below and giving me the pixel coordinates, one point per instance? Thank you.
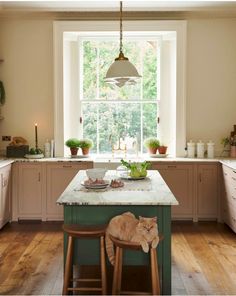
(5, 201)
(58, 178)
(207, 190)
(179, 178)
(30, 191)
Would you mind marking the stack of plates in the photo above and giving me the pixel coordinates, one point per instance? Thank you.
(96, 186)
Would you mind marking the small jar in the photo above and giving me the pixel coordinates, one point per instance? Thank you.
(200, 149)
(190, 149)
(210, 149)
(47, 149)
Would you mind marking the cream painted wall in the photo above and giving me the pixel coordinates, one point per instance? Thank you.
(27, 72)
(211, 79)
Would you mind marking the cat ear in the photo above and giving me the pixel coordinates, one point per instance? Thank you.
(154, 219)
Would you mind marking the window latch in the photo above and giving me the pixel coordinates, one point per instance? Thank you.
(81, 120)
(158, 120)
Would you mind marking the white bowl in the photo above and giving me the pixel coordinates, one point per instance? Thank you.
(96, 173)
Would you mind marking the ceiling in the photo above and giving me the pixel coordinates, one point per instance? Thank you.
(129, 5)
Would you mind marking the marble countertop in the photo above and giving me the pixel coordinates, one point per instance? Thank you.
(150, 191)
(230, 163)
(5, 162)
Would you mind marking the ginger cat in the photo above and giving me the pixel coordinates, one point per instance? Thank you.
(127, 227)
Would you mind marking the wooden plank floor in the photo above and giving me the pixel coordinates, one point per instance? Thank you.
(203, 259)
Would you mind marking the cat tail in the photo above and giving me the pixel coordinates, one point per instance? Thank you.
(110, 249)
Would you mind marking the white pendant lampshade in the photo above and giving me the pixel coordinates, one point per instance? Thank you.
(121, 71)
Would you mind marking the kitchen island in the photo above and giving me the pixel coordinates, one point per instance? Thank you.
(149, 197)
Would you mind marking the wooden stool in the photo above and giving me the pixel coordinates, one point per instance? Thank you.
(122, 245)
(79, 231)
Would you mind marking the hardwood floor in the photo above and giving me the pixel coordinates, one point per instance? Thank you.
(203, 259)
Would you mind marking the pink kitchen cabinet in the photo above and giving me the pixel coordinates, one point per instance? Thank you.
(5, 195)
(58, 178)
(179, 178)
(207, 191)
(30, 191)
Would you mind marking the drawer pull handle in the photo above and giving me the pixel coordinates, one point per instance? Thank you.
(233, 197)
(67, 166)
(171, 166)
(39, 177)
(234, 219)
(234, 178)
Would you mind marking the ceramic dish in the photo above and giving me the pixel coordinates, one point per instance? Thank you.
(34, 156)
(127, 177)
(96, 186)
(158, 155)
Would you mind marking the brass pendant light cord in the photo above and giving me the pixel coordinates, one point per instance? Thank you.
(121, 27)
(121, 55)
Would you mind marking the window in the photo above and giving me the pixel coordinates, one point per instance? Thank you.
(115, 116)
(90, 100)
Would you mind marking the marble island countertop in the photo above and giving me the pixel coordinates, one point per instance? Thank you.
(231, 163)
(150, 191)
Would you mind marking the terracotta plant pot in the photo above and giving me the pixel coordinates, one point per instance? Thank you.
(233, 151)
(162, 149)
(74, 150)
(152, 150)
(85, 151)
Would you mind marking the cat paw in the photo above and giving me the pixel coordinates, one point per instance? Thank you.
(145, 248)
(155, 243)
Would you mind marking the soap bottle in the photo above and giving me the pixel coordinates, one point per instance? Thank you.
(210, 149)
(191, 149)
(200, 149)
(47, 149)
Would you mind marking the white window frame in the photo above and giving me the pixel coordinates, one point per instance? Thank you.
(141, 101)
(180, 27)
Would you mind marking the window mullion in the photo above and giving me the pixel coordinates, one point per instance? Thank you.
(141, 98)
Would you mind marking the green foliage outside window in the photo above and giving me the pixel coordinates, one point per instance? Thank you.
(107, 122)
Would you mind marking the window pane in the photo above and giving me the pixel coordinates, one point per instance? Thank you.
(149, 50)
(149, 120)
(89, 70)
(89, 112)
(118, 121)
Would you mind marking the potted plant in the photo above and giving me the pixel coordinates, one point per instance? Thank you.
(152, 145)
(162, 149)
(85, 145)
(73, 144)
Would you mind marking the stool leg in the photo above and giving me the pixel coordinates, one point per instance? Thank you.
(119, 271)
(154, 272)
(103, 266)
(67, 272)
(115, 273)
(157, 272)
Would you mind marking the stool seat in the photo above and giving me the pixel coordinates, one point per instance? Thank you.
(88, 231)
(117, 276)
(75, 231)
(129, 245)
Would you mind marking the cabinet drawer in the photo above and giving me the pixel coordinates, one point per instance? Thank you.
(229, 215)
(229, 175)
(169, 166)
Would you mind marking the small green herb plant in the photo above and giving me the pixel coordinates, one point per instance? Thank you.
(152, 143)
(73, 143)
(137, 170)
(85, 143)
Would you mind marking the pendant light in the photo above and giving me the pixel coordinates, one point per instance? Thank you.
(121, 72)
